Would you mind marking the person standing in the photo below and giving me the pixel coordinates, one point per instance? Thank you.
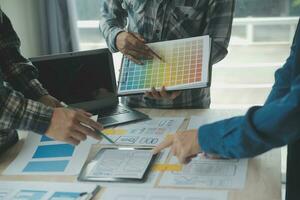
(128, 24)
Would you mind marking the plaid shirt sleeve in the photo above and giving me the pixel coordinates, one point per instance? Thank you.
(17, 112)
(112, 21)
(219, 26)
(17, 70)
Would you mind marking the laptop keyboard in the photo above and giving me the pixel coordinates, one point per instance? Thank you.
(113, 111)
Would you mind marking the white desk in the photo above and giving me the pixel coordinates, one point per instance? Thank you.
(263, 178)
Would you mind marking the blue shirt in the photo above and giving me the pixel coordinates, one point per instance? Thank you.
(272, 125)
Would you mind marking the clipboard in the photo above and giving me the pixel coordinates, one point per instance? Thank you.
(119, 164)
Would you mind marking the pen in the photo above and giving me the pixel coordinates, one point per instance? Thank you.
(155, 54)
(104, 136)
(97, 131)
(85, 196)
(160, 58)
(64, 104)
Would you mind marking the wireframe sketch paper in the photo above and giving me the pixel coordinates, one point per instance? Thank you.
(152, 178)
(41, 155)
(208, 173)
(115, 163)
(146, 133)
(162, 194)
(44, 190)
(119, 164)
(185, 65)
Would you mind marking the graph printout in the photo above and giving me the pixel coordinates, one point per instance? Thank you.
(184, 65)
(41, 155)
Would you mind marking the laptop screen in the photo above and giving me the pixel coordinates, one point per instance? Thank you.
(79, 77)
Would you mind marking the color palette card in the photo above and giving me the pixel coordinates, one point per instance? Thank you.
(185, 65)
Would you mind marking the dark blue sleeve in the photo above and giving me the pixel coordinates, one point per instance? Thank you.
(261, 129)
(275, 124)
(285, 75)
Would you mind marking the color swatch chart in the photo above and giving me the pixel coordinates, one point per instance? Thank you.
(184, 65)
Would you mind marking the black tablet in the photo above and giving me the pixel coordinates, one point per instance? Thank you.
(119, 164)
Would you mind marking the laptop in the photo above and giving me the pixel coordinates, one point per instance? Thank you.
(86, 80)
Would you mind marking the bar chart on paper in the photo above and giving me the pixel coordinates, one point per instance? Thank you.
(185, 65)
(41, 155)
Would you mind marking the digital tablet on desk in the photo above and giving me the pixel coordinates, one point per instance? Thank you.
(119, 164)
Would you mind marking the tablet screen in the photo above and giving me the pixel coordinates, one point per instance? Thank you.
(113, 164)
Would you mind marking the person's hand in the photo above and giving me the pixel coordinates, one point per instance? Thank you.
(49, 100)
(133, 46)
(162, 94)
(72, 126)
(184, 145)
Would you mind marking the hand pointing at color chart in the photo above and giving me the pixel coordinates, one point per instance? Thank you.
(133, 46)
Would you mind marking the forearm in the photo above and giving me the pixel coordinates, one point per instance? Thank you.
(112, 21)
(17, 112)
(232, 138)
(261, 129)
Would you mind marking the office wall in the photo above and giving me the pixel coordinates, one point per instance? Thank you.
(24, 17)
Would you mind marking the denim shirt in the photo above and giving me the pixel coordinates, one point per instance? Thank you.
(272, 125)
(160, 20)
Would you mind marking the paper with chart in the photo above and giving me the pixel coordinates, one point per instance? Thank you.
(161, 194)
(44, 190)
(120, 163)
(185, 65)
(145, 133)
(207, 173)
(41, 155)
